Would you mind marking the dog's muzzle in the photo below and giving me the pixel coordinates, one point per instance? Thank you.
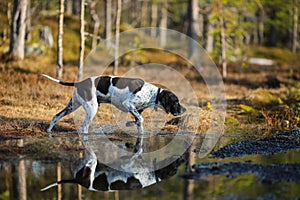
(180, 111)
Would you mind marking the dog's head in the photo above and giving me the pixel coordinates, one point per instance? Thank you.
(169, 101)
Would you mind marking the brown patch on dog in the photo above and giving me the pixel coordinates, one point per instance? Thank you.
(102, 84)
(84, 89)
(134, 85)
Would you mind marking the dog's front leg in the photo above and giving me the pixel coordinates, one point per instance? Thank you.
(139, 122)
(133, 123)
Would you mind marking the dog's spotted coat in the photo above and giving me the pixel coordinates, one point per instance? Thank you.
(127, 94)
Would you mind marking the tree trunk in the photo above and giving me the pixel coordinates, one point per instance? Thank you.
(153, 19)
(193, 25)
(59, 186)
(18, 170)
(108, 22)
(82, 42)
(76, 7)
(28, 22)
(144, 14)
(96, 22)
(272, 32)
(223, 39)
(59, 68)
(260, 14)
(8, 13)
(295, 27)
(134, 11)
(210, 38)
(69, 6)
(17, 29)
(118, 20)
(163, 23)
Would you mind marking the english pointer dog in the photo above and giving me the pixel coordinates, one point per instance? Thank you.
(127, 94)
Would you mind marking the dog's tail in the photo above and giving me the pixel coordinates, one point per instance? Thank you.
(57, 183)
(58, 81)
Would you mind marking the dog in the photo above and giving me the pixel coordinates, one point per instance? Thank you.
(127, 94)
(95, 176)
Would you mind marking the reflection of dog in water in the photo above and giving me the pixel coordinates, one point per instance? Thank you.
(127, 94)
(98, 177)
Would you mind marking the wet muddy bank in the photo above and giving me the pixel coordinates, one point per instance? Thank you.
(281, 142)
(254, 156)
(62, 147)
(267, 173)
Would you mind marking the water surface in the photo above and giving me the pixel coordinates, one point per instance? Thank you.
(23, 174)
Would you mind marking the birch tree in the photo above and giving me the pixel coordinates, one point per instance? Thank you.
(96, 22)
(153, 18)
(222, 39)
(260, 14)
(193, 25)
(59, 68)
(118, 20)
(295, 26)
(108, 22)
(18, 29)
(210, 38)
(82, 41)
(163, 23)
(28, 22)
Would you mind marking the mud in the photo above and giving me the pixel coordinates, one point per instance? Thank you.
(267, 146)
(268, 173)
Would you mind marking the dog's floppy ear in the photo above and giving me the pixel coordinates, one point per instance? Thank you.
(163, 99)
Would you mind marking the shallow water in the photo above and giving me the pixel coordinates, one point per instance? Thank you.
(23, 175)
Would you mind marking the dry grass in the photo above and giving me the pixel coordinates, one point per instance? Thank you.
(283, 119)
(29, 101)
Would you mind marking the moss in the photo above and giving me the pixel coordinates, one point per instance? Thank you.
(265, 97)
(247, 108)
(280, 55)
(231, 120)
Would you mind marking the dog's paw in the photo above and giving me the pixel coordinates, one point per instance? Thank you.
(130, 123)
(137, 152)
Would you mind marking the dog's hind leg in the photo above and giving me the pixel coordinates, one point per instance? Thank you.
(90, 108)
(70, 107)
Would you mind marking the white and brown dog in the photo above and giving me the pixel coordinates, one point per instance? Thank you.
(127, 94)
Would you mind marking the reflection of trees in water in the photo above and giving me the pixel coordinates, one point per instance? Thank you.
(17, 171)
(189, 184)
(18, 183)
